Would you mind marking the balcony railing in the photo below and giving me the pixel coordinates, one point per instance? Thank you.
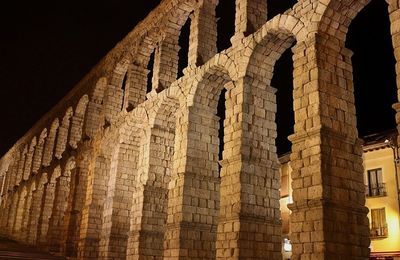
(380, 232)
(376, 191)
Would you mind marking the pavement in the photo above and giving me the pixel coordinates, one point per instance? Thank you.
(10, 249)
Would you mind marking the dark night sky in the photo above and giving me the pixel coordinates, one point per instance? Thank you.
(45, 49)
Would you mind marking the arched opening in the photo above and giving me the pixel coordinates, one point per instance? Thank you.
(150, 68)
(282, 80)
(221, 113)
(225, 13)
(375, 91)
(50, 144)
(38, 154)
(78, 122)
(29, 158)
(124, 87)
(184, 47)
(278, 7)
(373, 69)
(272, 65)
(63, 132)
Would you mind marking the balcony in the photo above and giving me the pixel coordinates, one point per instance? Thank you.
(376, 191)
(379, 233)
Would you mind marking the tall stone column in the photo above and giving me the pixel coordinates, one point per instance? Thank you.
(328, 185)
(203, 33)
(4, 208)
(150, 199)
(249, 224)
(47, 208)
(29, 159)
(250, 15)
(193, 197)
(14, 172)
(82, 162)
(21, 165)
(12, 213)
(115, 224)
(113, 98)
(37, 198)
(92, 213)
(394, 15)
(166, 60)
(61, 199)
(27, 212)
(138, 85)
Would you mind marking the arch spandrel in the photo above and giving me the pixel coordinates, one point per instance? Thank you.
(210, 81)
(338, 15)
(269, 43)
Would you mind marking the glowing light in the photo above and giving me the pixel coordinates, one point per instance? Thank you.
(287, 246)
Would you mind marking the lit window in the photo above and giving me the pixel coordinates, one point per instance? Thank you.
(378, 223)
(375, 187)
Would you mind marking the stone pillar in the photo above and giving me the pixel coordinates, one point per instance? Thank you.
(19, 214)
(47, 208)
(166, 60)
(90, 230)
(114, 233)
(193, 195)
(249, 224)
(12, 213)
(37, 198)
(112, 102)
(150, 200)
(394, 15)
(14, 172)
(250, 15)
(4, 212)
(28, 160)
(203, 33)
(138, 85)
(38, 154)
(26, 213)
(7, 213)
(21, 165)
(76, 129)
(328, 185)
(6, 204)
(70, 222)
(62, 136)
(61, 199)
(80, 178)
(50, 143)
(94, 117)
(3, 179)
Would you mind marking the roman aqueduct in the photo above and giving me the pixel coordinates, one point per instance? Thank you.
(117, 170)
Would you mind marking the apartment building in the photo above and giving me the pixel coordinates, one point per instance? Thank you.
(381, 190)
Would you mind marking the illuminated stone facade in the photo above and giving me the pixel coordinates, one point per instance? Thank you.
(115, 171)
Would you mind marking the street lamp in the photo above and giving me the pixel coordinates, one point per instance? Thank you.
(396, 159)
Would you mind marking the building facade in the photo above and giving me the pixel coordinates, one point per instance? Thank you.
(126, 169)
(381, 194)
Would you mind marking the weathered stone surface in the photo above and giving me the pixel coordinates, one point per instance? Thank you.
(114, 172)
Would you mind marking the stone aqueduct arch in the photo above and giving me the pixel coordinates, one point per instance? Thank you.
(115, 172)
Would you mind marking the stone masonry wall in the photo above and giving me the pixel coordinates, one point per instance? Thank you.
(122, 170)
